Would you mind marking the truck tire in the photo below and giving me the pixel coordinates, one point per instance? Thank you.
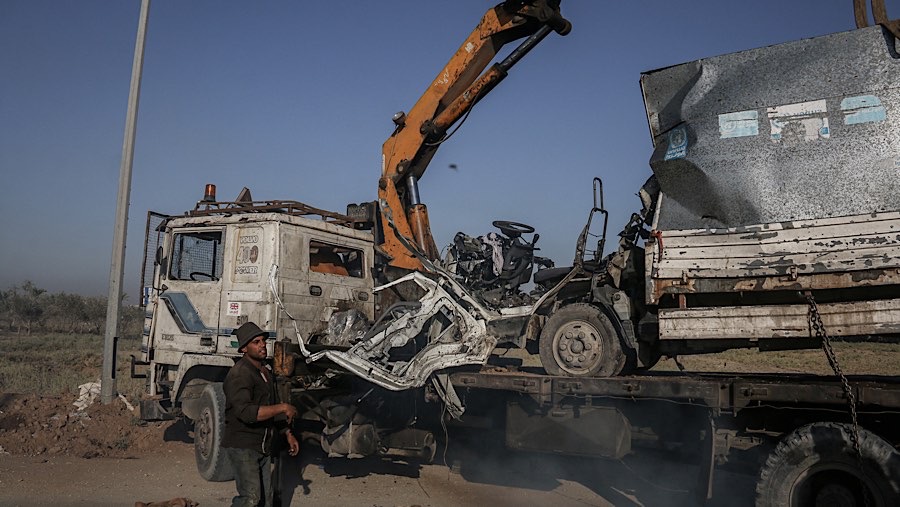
(817, 465)
(578, 340)
(212, 462)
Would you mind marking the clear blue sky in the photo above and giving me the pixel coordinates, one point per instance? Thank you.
(294, 99)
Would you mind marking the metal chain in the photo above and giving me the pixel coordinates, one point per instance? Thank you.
(818, 327)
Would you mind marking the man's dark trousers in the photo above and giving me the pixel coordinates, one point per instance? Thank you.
(252, 477)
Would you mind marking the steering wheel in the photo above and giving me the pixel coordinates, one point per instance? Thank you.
(513, 229)
(201, 273)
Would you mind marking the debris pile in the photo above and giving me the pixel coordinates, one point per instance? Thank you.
(53, 426)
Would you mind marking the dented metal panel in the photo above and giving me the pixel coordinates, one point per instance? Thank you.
(860, 318)
(827, 253)
(317, 295)
(800, 282)
(812, 246)
(461, 338)
(802, 130)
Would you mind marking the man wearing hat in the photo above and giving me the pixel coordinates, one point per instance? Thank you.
(251, 419)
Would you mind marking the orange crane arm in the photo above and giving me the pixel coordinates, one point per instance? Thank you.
(456, 89)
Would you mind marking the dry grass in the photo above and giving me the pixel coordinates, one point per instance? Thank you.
(55, 364)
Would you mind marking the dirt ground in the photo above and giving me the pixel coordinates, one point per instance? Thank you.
(52, 454)
(52, 426)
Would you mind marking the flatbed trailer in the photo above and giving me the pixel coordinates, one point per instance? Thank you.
(798, 430)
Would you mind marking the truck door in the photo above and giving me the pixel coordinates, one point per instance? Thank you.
(193, 294)
(339, 277)
(250, 255)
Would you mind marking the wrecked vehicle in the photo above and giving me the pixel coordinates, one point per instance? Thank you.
(778, 185)
(774, 193)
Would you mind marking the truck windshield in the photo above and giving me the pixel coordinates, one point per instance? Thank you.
(197, 256)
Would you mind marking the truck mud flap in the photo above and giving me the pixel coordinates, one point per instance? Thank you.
(152, 410)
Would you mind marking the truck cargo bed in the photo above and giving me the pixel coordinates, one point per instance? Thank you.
(841, 255)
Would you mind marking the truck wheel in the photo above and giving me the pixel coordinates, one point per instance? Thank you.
(817, 465)
(580, 341)
(212, 462)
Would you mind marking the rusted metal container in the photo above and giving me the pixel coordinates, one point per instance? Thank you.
(779, 171)
(797, 131)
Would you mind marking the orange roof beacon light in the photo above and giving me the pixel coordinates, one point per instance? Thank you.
(209, 194)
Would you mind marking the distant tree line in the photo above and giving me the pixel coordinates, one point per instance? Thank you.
(27, 308)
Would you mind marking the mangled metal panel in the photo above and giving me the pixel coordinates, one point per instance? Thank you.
(860, 250)
(801, 130)
(857, 318)
(461, 339)
(801, 247)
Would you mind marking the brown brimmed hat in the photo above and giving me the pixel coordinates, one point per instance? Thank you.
(246, 333)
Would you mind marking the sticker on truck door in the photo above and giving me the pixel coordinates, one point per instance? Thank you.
(247, 255)
(738, 124)
(801, 122)
(862, 109)
(678, 141)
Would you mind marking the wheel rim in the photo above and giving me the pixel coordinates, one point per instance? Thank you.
(203, 433)
(835, 484)
(577, 347)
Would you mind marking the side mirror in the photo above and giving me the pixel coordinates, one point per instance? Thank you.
(161, 261)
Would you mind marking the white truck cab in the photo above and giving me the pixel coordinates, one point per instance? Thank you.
(217, 268)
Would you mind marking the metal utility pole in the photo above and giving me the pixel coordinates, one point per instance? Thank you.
(117, 260)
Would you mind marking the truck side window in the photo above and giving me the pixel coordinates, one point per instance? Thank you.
(197, 256)
(335, 260)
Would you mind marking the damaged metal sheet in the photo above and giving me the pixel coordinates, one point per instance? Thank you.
(446, 328)
(802, 130)
(803, 247)
(471, 303)
(857, 318)
(860, 250)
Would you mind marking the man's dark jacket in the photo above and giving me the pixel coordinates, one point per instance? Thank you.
(245, 390)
